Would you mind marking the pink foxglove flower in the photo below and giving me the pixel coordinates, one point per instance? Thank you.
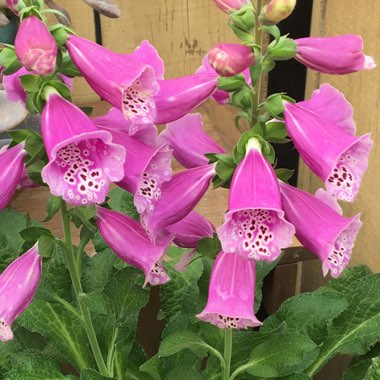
(115, 119)
(145, 169)
(230, 5)
(254, 225)
(18, 284)
(192, 228)
(13, 87)
(189, 141)
(323, 132)
(83, 161)
(333, 55)
(230, 59)
(178, 197)
(12, 169)
(320, 228)
(123, 80)
(35, 46)
(276, 11)
(219, 96)
(130, 242)
(231, 293)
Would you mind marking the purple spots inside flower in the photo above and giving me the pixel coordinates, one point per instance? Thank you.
(5, 331)
(227, 322)
(340, 256)
(344, 180)
(83, 168)
(158, 275)
(137, 103)
(255, 234)
(156, 173)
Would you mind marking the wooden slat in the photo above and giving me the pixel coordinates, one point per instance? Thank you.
(362, 90)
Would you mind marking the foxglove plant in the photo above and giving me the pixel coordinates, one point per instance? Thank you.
(111, 177)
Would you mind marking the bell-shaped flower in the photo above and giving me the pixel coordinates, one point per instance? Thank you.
(230, 5)
(190, 230)
(230, 59)
(178, 197)
(83, 161)
(13, 87)
(231, 293)
(220, 96)
(179, 96)
(35, 46)
(254, 225)
(18, 284)
(189, 141)
(145, 169)
(323, 132)
(320, 228)
(130, 242)
(124, 80)
(115, 119)
(12, 169)
(333, 55)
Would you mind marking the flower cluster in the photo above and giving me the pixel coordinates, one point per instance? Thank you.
(85, 155)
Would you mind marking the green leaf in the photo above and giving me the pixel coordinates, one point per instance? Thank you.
(281, 355)
(91, 374)
(272, 30)
(209, 247)
(307, 313)
(284, 174)
(275, 105)
(68, 67)
(183, 372)
(34, 233)
(46, 246)
(182, 340)
(61, 328)
(53, 206)
(360, 366)
(19, 135)
(34, 365)
(152, 367)
(275, 131)
(8, 59)
(283, 49)
(30, 82)
(35, 148)
(231, 83)
(358, 326)
(136, 358)
(122, 201)
(95, 301)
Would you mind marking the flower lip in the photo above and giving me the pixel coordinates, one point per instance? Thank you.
(342, 247)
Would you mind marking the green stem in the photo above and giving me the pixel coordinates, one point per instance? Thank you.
(227, 352)
(75, 278)
(238, 371)
(257, 84)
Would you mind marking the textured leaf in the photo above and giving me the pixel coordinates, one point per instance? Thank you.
(358, 326)
(34, 365)
(135, 359)
(152, 367)
(62, 329)
(282, 354)
(308, 313)
(183, 372)
(182, 340)
(122, 201)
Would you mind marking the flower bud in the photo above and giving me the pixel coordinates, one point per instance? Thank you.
(230, 59)
(35, 47)
(230, 5)
(276, 11)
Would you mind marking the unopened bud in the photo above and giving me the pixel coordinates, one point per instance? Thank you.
(230, 59)
(35, 46)
(276, 11)
(230, 5)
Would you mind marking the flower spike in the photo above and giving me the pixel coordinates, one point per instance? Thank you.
(231, 293)
(320, 228)
(254, 226)
(83, 161)
(18, 284)
(130, 242)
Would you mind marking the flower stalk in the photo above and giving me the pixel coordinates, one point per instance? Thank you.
(75, 278)
(228, 335)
